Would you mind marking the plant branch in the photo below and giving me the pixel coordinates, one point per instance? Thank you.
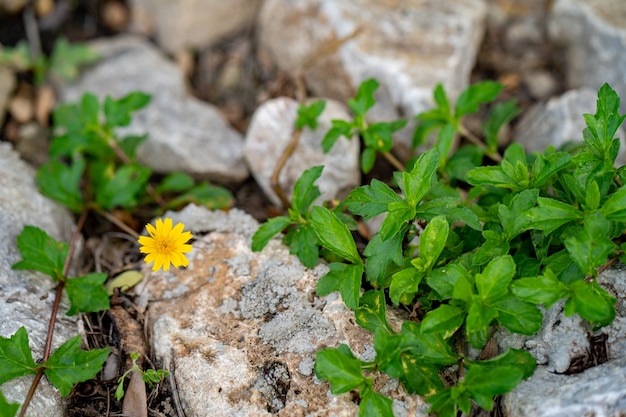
(118, 223)
(494, 156)
(394, 161)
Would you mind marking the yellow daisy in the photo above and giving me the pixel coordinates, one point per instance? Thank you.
(165, 244)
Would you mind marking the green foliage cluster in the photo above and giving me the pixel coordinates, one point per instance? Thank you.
(64, 62)
(149, 376)
(469, 247)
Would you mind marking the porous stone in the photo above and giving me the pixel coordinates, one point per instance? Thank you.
(559, 121)
(242, 330)
(407, 46)
(593, 33)
(269, 133)
(184, 134)
(192, 23)
(26, 297)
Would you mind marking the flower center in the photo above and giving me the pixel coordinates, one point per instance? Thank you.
(164, 246)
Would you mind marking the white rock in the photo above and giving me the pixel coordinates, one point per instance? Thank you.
(241, 329)
(185, 134)
(593, 33)
(26, 297)
(558, 121)
(269, 133)
(408, 47)
(192, 23)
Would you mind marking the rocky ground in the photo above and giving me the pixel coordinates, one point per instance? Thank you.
(238, 330)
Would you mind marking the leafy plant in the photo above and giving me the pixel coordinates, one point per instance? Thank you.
(149, 376)
(64, 61)
(494, 241)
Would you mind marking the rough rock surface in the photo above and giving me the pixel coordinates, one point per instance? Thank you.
(26, 297)
(269, 133)
(560, 344)
(185, 134)
(192, 23)
(560, 120)
(241, 329)
(415, 46)
(593, 33)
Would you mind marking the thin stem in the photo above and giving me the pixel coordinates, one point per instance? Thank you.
(394, 161)
(291, 147)
(55, 309)
(118, 223)
(494, 156)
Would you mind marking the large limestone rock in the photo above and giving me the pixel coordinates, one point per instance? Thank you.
(185, 134)
(192, 23)
(593, 33)
(26, 297)
(269, 133)
(241, 329)
(409, 46)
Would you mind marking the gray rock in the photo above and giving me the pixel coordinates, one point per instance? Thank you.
(541, 84)
(599, 390)
(559, 121)
(26, 297)
(192, 23)
(185, 134)
(269, 133)
(409, 48)
(7, 84)
(242, 330)
(593, 33)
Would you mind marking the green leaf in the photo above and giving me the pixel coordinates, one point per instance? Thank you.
(118, 112)
(419, 378)
(404, 283)
(368, 157)
(494, 280)
(40, 252)
(545, 289)
(69, 365)
(122, 187)
(432, 241)
(373, 404)
(590, 247)
(500, 114)
(371, 200)
(175, 182)
(443, 279)
(444, 143)
(516, 358)
(268, 230)
(7, 409)
(339, 128)
(308, 115)
(129, 145)
(87, 294)
(491, 175)
(124, 281)
(429, 121)
(479, 318)
(364, 99)
(442, 403)
(614, 208)
(334, 234)
(344, 278)
(416, 182)
(451, 208)
(204, 194)
(464, 160)
(551, 214)
(399, 215)
(371, 313)
(518, 316)
(495, 245)
(591, 302)
(444, 319)
(304, 191)
(66, 58)
(439, 94)
(602, 126)
(475, 95)
(340, 368)
(380, 254)
(16, 357)
(62, 183)
(429, 348)
(511, 216)
(303, 243)
(484, 383)
(545, 167)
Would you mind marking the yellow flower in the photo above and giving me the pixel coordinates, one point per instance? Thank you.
(165, 244)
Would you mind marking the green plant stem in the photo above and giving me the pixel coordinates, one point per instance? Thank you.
(55, 309)
(494, 156)
(394, 161)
